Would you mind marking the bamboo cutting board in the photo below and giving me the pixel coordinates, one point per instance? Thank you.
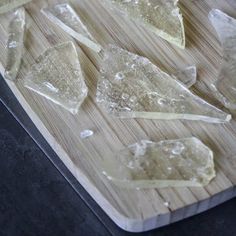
(132, 210)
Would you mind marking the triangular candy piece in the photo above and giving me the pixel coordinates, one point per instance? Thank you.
(225, 87)
(57, 76)
(169, 163)
(64, 16)
(162, 17)
(15, 43)
(132, 87)
(8, 5)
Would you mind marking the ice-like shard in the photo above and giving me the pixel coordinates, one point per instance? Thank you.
(8, 5)
(15, 43)
(169, 163)
(188, 76)
(225, 86)
(57, 76)
(162, 17)
(132, 87)
(64, 16)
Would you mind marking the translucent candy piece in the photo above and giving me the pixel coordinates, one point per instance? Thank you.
(169, 163)
(162, 17)
(57, 76)
(15, 43)
(132, 87)
(225, 87)
(188, 76)
(64, 16)
(8, 5)
(86, 133)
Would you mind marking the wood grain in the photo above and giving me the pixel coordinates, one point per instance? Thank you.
(132, 210)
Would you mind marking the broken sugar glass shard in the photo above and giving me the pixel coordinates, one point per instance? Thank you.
(64, 16)
(15, 43)
(188, 76)
(162, 17)
(131, 86)
(57, 75)
(8, 5)
(225, 86)
(169, 163)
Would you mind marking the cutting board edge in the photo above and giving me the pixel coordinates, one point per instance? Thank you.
(125, 223)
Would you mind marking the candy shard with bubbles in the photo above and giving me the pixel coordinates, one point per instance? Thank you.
(57, 76)
(130, 86)
(188, 76)
(169, 163)
(8, 5)
(225, 86)
(162, 17)
(64, 16)
(15, 43)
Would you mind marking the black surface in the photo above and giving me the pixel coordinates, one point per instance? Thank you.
(35, 199)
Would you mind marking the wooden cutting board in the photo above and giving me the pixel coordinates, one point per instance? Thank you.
(132, 210)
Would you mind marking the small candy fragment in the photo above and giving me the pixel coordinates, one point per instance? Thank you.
(225, 86)
(188, 76)
(86, 134)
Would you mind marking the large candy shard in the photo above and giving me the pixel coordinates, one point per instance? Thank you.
(169, 163)
(15, 43)
(225, 87)
(64, 16)
(132, 87)
(162, 17)
(8, 5)
(57, 76)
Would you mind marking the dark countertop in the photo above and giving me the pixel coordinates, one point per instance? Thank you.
(35, 199)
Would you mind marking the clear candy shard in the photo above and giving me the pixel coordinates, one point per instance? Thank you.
(188, 76)
(8, 5)
(162, 17)
(64, 16)
(169, 163)
(57, 75)
(130, 86)
(15, 43)
(225, 86)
